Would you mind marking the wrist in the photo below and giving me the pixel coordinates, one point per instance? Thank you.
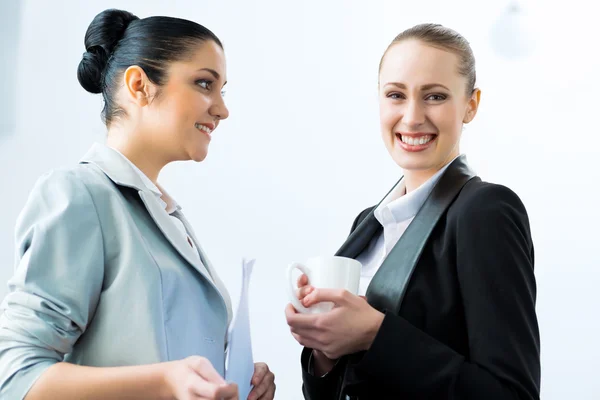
(372, 329)
(163, 374)
(321, 363)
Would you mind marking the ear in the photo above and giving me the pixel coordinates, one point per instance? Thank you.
(472, 106)
(138, 88)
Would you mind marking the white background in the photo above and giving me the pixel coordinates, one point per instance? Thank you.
(301, 154)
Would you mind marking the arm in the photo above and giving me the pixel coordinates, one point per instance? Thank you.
(495, 273)
(68, 381)
(317, 386)
(56, 285)
(52, 298)
(322, 376)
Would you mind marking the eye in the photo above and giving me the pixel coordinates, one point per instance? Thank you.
(223, 92)
(204, 83)
(436, 97)
(395, 96)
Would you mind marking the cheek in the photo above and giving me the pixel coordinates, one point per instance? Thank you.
(168, 113)
(198, 104)
(447, 120)
(388, 116)
(190, 107)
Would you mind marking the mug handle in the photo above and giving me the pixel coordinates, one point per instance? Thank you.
(292, 290)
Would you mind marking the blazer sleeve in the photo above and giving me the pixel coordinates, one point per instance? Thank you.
(494, 254)
(57, 282)
(325, 387)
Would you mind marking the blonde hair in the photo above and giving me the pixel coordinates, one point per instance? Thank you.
(442, 38)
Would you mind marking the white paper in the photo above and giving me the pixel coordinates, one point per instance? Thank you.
(239, 366)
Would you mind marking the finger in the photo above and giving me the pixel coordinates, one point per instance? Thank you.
(308, 342)
(228, 392)
(270, 395)
(302, 280)
(205, 369)
(264, 388)
(296, 319)
(337, 296)
(307, 333)
(304, 291)
(209, 390)
(312, 342)
(297, 337)
(260, 370)
(290, 312)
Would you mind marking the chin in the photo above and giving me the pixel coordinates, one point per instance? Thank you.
(409, 165)
(198, 155)
(414, 162)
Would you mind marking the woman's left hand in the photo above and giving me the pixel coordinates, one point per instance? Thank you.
(349, 327)
(264, 383)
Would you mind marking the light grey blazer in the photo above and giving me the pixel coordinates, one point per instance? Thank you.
(103, 278)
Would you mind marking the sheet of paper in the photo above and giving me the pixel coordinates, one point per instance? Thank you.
(239, 366)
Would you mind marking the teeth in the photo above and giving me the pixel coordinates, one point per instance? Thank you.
(203, 128)
(416, 141)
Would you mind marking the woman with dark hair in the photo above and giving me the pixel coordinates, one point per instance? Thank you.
(446, 302)
(112, 296)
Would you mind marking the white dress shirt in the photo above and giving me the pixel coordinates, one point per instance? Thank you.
(394, 213)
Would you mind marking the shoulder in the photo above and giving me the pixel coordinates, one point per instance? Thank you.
(481, 195)
(59, 200)
(481, 202)
(58, 185)
(68, 190)
(79, 183)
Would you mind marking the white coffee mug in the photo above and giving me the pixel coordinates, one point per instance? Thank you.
(331, 272)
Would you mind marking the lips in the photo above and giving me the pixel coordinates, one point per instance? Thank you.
(205, 128)
(414, 142)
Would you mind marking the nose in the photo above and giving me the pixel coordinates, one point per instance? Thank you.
(414, 114)
(218, 109)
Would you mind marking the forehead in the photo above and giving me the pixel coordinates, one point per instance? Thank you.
(207, 54)
(413, 62)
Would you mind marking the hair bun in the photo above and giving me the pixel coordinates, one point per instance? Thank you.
(101, 37)
(91, 68)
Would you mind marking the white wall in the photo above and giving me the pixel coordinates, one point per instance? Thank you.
(301, 155)
(10, 13)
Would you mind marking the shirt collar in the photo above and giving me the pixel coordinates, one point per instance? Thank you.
(400, 206)
(168, 203)
(123, 172)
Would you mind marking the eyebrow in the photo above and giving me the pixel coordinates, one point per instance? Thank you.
(214, 73)
(423, 87)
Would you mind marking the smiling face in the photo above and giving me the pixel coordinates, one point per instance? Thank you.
(423, 103)
(189, 106)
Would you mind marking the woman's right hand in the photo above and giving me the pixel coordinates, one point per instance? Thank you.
(303, 287)
(195, 378)
(322, 364)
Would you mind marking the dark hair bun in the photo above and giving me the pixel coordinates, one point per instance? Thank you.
(101, 37)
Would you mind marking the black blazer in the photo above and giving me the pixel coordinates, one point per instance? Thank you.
(458, 292)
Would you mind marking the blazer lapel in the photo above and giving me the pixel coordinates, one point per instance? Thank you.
(362, 235)
(389, 284)
(118, 169)
(205, 262)
(170, 231)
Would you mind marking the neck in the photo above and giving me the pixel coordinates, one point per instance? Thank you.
(137, 151)
(415, 178)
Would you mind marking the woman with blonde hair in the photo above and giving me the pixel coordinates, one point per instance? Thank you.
(447, 259)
